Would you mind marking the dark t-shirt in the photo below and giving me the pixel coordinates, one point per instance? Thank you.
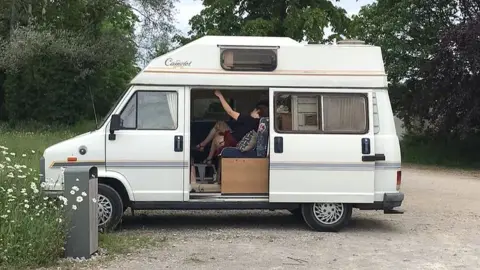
(244, 124)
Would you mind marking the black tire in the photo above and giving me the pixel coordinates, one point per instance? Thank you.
(115, 201)
(297, 213)
(344, 211)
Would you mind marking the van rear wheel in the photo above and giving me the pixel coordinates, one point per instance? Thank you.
(331, 217)
(110, 207)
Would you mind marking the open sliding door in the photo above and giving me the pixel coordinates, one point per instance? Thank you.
(321, 146)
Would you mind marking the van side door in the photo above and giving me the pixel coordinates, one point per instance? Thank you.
(322, 145)
(148, 150)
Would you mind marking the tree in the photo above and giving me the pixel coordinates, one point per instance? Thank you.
(448, 97)
(298, 19)
(407, 31)
(432, 51)
(56, 57)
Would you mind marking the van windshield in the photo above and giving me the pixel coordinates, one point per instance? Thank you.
(104, 119)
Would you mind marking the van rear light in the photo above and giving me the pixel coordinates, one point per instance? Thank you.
(399, 179)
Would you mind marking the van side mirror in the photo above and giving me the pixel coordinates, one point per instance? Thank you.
(114, 125)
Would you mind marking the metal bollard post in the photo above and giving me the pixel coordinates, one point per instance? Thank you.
(82, 237)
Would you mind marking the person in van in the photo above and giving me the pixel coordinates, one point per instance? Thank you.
(223, 135)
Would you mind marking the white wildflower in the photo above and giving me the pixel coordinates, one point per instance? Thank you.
(24, 191)
(33, 151)
(84, 194)
(22, 176)
(8, 159)
(4, 216)
(27, 206)
(77, 179)
(72, 192)
(10, 175)
(79, 199)
(12, 154)
(75, 188)
(63, 199)
(2, 166)
(94, 200)
(24, 155)
(3, 147)
(59, 220)
(33, 185)
(74, 207)
(8, 211)
(9, 190)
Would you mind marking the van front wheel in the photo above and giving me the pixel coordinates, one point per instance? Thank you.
(110, 207)
(330, 217)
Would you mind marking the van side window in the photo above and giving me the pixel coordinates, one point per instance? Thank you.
(151, 110)
(321, 113)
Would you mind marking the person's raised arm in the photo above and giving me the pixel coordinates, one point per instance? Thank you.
(226, 106)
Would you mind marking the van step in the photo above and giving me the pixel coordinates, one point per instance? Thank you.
(393, 211)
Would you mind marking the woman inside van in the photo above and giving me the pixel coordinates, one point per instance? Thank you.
(223, 135)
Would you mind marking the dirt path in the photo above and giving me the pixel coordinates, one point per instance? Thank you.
(440, 230)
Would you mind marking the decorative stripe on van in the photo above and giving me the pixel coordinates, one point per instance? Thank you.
(333, 166)
(135, 164)
(273, 165)
(278, 72)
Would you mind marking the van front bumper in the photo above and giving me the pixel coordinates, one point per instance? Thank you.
(390, 201)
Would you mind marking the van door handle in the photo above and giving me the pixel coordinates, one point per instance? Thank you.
(178, 143)
(278, 144)
(376, 157)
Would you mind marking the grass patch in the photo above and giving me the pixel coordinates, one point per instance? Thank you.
(444, 152)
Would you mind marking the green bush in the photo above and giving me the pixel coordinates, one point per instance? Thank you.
(428, 150)
(57, 76)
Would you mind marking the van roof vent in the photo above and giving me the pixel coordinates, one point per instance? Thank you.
(351, 42)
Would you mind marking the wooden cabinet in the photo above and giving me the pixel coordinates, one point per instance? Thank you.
(244, 175)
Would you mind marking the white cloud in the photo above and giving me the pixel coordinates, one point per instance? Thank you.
(188, 8)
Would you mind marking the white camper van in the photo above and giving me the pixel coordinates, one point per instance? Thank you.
(327, 145)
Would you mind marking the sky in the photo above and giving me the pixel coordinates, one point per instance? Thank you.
(188, 8)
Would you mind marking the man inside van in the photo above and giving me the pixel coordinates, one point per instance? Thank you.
(223, 135)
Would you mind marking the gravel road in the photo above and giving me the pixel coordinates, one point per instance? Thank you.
(440, 230)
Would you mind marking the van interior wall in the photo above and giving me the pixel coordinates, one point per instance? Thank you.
(206, 110)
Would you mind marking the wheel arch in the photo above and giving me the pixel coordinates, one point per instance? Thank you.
(120, 184)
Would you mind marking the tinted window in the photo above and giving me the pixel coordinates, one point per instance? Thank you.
(249, 59)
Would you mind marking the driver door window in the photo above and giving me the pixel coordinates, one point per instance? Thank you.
(151, 110)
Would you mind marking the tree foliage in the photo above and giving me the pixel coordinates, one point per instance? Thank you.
(431, 53)
(59, 57)
(407, 32)
(298, 19)
(447, 99)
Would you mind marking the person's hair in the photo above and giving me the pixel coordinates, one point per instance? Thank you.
(221, 127)
(262, 110)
